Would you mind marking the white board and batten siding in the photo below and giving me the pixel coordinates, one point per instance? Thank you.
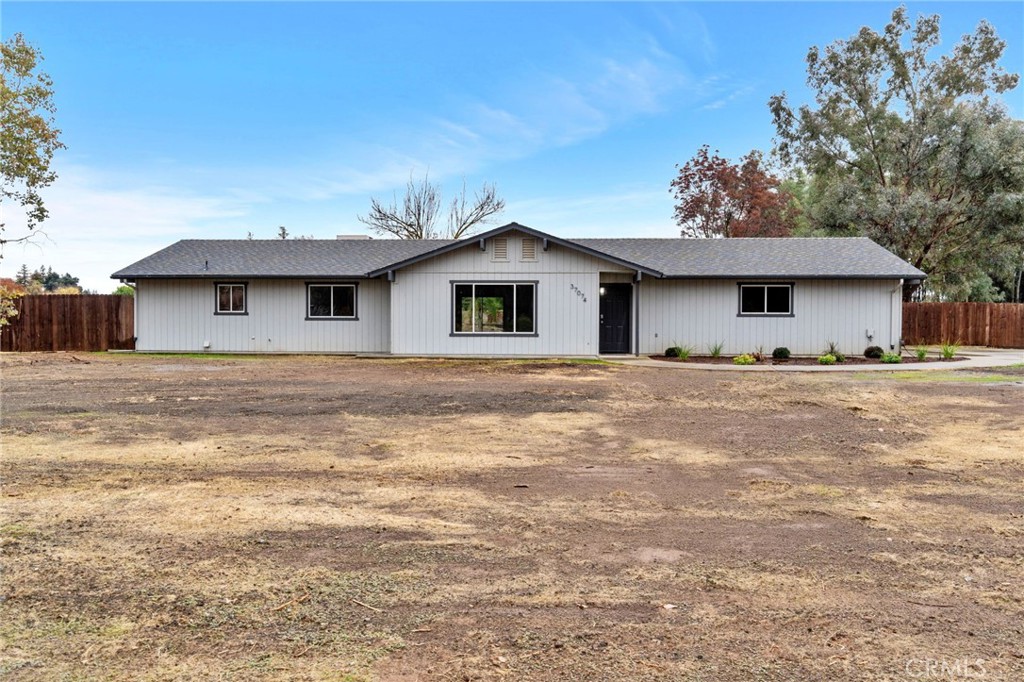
(700, 313)
(567, 293)
(178, 316)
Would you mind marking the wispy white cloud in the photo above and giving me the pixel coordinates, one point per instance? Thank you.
(539, 110)
(687, 29)
(627, 211)
(591, 92)
(726, 98)
(100, 222)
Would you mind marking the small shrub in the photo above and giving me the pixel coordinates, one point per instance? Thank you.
(891, 358)
(758, 354)
(921, 352)
(715, 349)
(672, 352)
(684, 352)
(949, 349)
(874, 352)
(832, 348)
(745, 359)
(827, 359)
(781, 353)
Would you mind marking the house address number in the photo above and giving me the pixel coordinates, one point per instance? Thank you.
(579, 292)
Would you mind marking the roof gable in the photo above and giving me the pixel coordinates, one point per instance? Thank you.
(514, 227)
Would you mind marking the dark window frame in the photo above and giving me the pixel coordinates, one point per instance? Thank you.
(740, 286)
(509, 282)
(245, 298)
(332, 318)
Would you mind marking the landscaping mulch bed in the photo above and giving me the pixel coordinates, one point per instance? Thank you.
(727, 360)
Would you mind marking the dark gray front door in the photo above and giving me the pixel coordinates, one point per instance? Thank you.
(616, 303)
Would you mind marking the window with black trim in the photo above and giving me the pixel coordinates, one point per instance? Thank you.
(494, 308)
(331, 301)
(766, 299)
(230, 298)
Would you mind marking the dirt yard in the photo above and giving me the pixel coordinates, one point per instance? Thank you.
(341, 519)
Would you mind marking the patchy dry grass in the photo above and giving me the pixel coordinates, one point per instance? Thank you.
(986, 377)
(338, 519)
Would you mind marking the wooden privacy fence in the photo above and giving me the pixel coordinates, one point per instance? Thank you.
(1000, 325)
(73, 322)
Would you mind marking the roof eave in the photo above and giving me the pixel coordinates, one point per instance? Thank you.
(207, 275)
(791, 276)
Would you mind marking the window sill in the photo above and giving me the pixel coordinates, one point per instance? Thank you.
(331, 319)
(508, 335)
(765, 315)
(242, 314)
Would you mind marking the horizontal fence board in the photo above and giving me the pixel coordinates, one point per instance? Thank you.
(71, 322)
(999, 325)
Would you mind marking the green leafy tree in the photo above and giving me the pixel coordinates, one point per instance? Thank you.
(124, 290)
(44, 279)
(28, 135)
(910, 150)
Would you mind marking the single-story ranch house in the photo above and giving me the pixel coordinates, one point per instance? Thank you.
(516, 291)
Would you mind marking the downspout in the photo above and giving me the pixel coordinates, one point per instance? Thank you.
(392, 282)
(636, 314)
(898, 346)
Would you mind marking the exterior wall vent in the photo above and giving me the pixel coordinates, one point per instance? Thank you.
(500, 249)
(529, 249)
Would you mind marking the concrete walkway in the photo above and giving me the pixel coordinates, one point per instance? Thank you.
(976, 358)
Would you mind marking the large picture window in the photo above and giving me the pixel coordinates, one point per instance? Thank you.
(230, 298)
(331, 301)
(494, 308)
(766, 299)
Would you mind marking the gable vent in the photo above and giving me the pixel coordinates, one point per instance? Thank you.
(500, 248)
(529, 248)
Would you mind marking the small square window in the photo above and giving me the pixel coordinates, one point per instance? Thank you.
(231, 299)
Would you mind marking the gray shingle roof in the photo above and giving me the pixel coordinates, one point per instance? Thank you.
(340, 258)
(854, 257)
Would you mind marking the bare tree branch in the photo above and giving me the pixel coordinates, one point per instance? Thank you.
(420, 207)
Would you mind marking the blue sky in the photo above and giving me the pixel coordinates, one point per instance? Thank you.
(210, 120)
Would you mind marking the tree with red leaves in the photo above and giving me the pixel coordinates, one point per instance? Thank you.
(716, 198)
